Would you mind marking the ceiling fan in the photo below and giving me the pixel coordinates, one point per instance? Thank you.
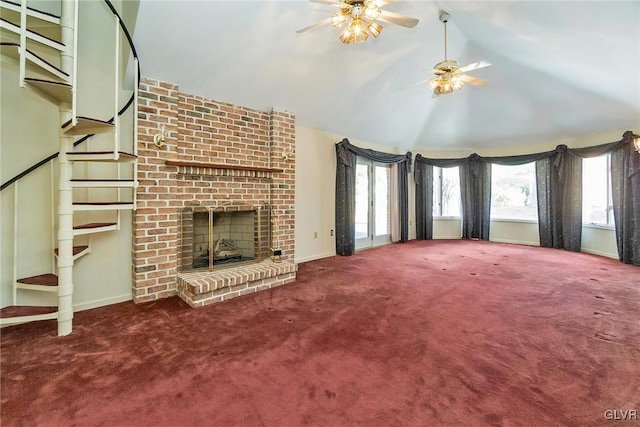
(448, 76)
(357, 19)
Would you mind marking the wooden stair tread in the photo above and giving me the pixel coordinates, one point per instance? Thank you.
(103, 183)
(26, 310)
(48, 63)
(60, 91)
(101, 203)
(49, 82)
(31, 9)
(12, 50)
(122, 153)
(46, 22)
(101, 156)
(40, 280)
(101, 180)
(31, 32)
(94, 225)
(76, 249)
(89, 120)
(86, 126)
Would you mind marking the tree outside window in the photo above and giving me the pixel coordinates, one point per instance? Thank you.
(446, 192)
(513, 192)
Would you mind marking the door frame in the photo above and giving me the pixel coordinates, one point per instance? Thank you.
(371, 239)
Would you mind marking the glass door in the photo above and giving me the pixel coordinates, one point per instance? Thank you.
(373, 205)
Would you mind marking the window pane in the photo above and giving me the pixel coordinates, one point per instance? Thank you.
(382, 188)
(362, 201)
(513, 192)
(437, 209)
(446, 192)
(596, 190)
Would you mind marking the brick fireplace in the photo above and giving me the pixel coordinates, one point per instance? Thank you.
(218, 165)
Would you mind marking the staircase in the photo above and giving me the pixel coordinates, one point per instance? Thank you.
(95, 174)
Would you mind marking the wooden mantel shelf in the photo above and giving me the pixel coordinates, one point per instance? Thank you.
(181, 163)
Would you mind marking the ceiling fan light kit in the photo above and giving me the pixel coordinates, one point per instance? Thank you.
(356, 19)
(357, 22)
(449, 77)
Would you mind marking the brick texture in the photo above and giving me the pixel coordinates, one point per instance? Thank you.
(205, 131)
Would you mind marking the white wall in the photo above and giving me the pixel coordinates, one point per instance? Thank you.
(522, 232)
(599, 240)
(447, 228)
(315, 189)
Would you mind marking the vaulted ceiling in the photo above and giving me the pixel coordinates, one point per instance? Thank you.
(562, 70)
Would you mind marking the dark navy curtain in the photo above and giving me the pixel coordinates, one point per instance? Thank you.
(345, 191)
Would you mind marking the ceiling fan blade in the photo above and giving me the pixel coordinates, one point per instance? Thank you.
(332, 3)
(316, 25)
(423, 81)
(474, 66)
(473, 80)
(396, 18)
(381, 3)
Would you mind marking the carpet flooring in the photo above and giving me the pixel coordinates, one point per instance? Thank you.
(425, 333)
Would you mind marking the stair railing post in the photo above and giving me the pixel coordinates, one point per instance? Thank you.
(68, 63)
(52, 204)
(135, 132)
(116, 117)
(23, 42)
(14, 289)
(116, 92)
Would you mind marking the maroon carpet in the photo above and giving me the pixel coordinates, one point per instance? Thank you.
(452, 333)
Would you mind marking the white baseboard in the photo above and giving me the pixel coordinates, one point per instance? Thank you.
(314, 257)
(446, 237)
(102, 302)
(516, 242)
(604, 254)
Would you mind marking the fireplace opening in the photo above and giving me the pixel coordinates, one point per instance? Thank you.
(213, 238)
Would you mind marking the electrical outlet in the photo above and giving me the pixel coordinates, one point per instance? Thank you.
(315, 234)
(331, 233)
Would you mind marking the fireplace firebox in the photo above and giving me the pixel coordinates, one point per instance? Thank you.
(218, 237)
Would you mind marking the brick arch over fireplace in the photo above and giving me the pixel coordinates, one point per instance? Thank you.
(215, 154)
